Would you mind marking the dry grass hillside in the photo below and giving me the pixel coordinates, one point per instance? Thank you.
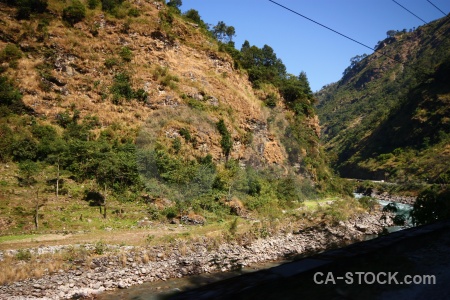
(141, 77)
(77, 73)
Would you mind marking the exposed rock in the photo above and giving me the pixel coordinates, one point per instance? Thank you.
(193, 219)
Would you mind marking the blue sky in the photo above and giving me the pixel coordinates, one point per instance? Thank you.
(305, 46)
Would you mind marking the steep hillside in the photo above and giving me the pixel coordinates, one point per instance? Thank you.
(388, 117)
(132, 101)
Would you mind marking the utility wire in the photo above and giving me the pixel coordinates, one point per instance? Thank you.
(437, 7)
(341, 34)
(410, 11)
(337, 32)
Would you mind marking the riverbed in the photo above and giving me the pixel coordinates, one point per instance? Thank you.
(163, 289)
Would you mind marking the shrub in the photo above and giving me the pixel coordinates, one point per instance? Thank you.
(433, 204)
(111, 62)
(100, 248)
(367, 202)
(170, 212)
(121, 88)
(24, 149)
(226, 142)
(10, 97)
(176, 145)
(74, 13)
(111, 5)
(164, 77)
(23, 254)
(141, 95)
(193, 15)
(10, 53)
(134, 12)
(92, 4)
(271, 100)
(63, 119)
(126, 54)
(184, 132)
(26, 7)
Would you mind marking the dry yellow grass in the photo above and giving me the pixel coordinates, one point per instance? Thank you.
(13, 268)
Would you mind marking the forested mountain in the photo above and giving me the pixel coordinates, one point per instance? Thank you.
(133, 98)
(389, 115)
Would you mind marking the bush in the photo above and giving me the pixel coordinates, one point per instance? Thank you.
(111, 62)
(10, 54)
(226, 142)
(170, 212)
(134, 12)
(100, 248)
(111, 5)
(433, 204)
(10, 97)
(26, 7)
(121, 88)
(126, 54)
(194, 16)
(74, 13)
(164, 77)
(367, 202)
(271, 100)
(92, 4)
(24, 149)
(23, 254)
(184, 132)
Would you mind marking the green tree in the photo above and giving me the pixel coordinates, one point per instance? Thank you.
(175, 5)
(226, 142)
(27, 170)
(74, 13)
(10, 98)
(193, 15)
(24, 148)
(262, 65)
(26, 7)
(297, 94)
(223, 33)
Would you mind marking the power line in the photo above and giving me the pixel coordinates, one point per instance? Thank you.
(341, 34)
(331, 29)
(437, 7)
(410, 11)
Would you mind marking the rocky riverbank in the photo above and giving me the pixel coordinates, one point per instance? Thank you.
(385, 196)
(127, 266)
(394, 198)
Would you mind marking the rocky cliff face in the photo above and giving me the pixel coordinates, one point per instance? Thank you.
(92, 66)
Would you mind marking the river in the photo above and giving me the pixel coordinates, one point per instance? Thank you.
(161, 289)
